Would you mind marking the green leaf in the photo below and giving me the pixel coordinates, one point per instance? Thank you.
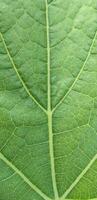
(48, 99)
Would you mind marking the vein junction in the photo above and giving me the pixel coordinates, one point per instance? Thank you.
(49, 112)
(49, 115)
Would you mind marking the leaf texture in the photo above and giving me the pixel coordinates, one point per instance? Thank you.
(48, 99)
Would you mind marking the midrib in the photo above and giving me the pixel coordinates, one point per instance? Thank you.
(49, 107)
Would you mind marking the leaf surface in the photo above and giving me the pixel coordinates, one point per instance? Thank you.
(48, 99)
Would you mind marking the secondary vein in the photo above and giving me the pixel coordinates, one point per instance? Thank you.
(26, 180)
(51, 148)
(79, 177)
(81, 70)
(22, 81)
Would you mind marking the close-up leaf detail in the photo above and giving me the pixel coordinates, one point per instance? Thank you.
(48, 99)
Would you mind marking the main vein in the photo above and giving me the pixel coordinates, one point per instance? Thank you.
(51, 146)
(81, 70)
(26, 180)
(79, 177)
(22, 81)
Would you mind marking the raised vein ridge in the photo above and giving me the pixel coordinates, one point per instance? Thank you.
(49, 107)
(81, 70)
(79, 177)
(26, 180)
(22, 81)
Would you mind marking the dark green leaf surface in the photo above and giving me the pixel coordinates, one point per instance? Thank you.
(48, 99)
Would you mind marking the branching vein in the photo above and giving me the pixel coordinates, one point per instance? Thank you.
(22, 81)
(51, 146)
(79, 177)
(80, 72)
(26, 180)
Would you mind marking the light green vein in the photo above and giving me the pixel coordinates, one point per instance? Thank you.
(8, 139)
(26, 180)
(22, 81)
(81, 70)
(51, 146)
(79, 178)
